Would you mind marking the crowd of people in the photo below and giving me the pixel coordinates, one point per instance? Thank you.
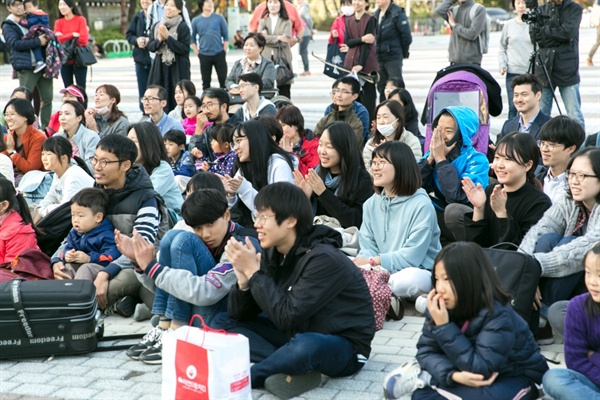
(223, 203)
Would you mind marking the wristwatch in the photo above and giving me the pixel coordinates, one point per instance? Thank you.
(12, 153)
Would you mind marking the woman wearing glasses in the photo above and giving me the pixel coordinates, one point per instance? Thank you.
(567, 231)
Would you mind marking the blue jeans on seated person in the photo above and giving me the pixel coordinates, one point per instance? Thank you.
(556, 289)
(566, 384)
(273, 352)
(185, 250)
(502, 388)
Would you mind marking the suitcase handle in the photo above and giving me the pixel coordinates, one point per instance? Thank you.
(19, 309)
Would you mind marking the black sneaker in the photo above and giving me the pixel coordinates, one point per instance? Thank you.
(153, 355)
(544, 336)
(147, 342)
(288, 386)
(125, 307)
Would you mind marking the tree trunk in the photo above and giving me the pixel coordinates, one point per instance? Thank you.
(124, 20)
(132, 10)
(84, 11)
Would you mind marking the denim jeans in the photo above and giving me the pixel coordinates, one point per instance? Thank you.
(68, 70)
(31, 81)
(566, 384)
(142, 72)
(571, 99)
(184, 250)
(304, 51)
(512, 111)
(273, 352)
(502, 388)
(388, 70)
(556, 289)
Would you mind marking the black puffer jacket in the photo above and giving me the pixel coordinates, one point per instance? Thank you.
(137, 28)
(393, 34)
(315, 289)
(493, 342)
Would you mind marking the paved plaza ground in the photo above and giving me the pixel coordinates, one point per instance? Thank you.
(112, 375)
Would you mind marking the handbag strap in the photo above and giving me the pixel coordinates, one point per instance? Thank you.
(505, 244)
(19, 309)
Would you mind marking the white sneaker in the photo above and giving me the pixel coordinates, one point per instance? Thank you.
(403, 380)
(421, 303)
(39, 67)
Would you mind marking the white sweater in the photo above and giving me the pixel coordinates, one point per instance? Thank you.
(64, 188)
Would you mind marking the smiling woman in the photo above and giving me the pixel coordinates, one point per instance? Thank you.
(83, 140)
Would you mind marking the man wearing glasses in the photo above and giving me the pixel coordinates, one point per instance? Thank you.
(255, 105)
(154, 102)
(344, 93)
(134, 205)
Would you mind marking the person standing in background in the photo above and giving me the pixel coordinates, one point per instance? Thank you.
(210, 42)
(594, 19)
(137, 37)
(72, 25)
(304, 11)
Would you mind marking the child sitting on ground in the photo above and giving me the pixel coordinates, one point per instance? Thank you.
(221, 137)
(180, 159)
(35, 16)
(92, 238)
(473, 345)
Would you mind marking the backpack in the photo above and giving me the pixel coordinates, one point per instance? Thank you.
(484, 36)
(34, 185)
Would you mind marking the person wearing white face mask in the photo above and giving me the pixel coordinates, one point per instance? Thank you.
(390, 127)
(104, 117)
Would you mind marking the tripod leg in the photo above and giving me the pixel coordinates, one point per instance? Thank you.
(550, 85)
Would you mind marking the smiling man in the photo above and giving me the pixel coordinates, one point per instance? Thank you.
(154, 102)
(303, 305)
(255, 105)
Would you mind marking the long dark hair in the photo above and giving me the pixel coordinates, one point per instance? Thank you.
(474, 281)
(344, 141)
(262, 147)
(72, 5)
(592, 308)
(151, 144)
(113, 93)
(398, 112)
(521, 149)
(283, 14)
(16, 202)
(79, 110)
(62, 146)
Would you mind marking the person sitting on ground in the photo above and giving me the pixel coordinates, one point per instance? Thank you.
(68, 179)
(72, 123)
(180, 159)
(399, 201)
(92, 239)
(183, 89)
(339, 185)
(504, 212)
(105, 118)
(344, 93)
(582, 340)
(152, 155)
(390, 127)
(560, 137)
(192, 110)
(221, 139)
(530, 119)
(322, 323)
(73, 92)
(566, 231)
(253, 61)
(450, 159)
(6, 166)
(411, 115)
(154, 102)
(192, 274)
(134, 204)
(392, 85)
(260, 162)
(250, 87)
(474, 345)
(17, 231)
(297, 140)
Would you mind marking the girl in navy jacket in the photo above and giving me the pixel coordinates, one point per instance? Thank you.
(473, 344)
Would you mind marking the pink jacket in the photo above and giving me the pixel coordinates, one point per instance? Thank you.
(15, 237)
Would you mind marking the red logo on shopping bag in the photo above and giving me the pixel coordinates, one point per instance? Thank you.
(191, 369)
(240, 384)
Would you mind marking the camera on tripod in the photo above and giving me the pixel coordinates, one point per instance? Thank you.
(533, 16)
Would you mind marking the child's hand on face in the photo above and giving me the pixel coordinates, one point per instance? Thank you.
(437, 308)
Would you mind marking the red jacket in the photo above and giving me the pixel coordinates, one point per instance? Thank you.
(68, 27)
(339, 24)
(15, 237)
(308, 154)
(32, 141)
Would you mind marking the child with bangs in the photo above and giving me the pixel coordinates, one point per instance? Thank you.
(221, 137)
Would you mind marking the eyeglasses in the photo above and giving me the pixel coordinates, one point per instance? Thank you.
(547, 145)
(101, 163)
(578, 176)
(238, 141)
(244, 85)
(336, 91)
(149, 99)
(207, 106)
(378, 164)
(262, 218)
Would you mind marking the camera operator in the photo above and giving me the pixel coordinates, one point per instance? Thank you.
(555, 28)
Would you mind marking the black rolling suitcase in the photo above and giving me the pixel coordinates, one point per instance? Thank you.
(43, 318)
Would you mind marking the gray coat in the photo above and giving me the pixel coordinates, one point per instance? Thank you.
(266, 69)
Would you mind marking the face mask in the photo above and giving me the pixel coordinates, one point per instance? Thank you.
(347, 10)
(102, 111)
(387, 130)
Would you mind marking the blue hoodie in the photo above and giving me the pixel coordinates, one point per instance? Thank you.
(444, 178)
(402, 231)
(99, 244)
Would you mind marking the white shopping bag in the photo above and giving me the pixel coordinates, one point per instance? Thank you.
(202, 363)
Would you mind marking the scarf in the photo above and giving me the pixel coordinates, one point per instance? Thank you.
(166, 54)
(582, 217)
(248, 65)
(331, 183)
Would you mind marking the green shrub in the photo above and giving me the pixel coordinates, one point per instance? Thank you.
(108, 33)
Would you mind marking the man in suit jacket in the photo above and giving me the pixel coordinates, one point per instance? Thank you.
(527, 93)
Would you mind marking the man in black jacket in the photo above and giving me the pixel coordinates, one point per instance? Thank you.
(305, 307)
(557, 35)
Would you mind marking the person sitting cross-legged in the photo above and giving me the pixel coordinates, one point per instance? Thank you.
(303, 305)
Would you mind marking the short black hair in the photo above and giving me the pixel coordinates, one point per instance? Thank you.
(407, 178)
(521, 148)
(296, 205)
(58, 145)
(348, 80)
(205, 180)
(222, 133)
(474, 281)
(121, 146)
(216, 93)
(95, 199)
(203, 206)
(36, 3)
(564, 130)
(187, 85)
(272, 126)
(22, 89)
(591, 307)
(397, 82)
(593, 155)
(528, 79)
(23, 108)
(292, 116)
(259, 39)
(175, 136)
(252, 78)
(162, 92)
